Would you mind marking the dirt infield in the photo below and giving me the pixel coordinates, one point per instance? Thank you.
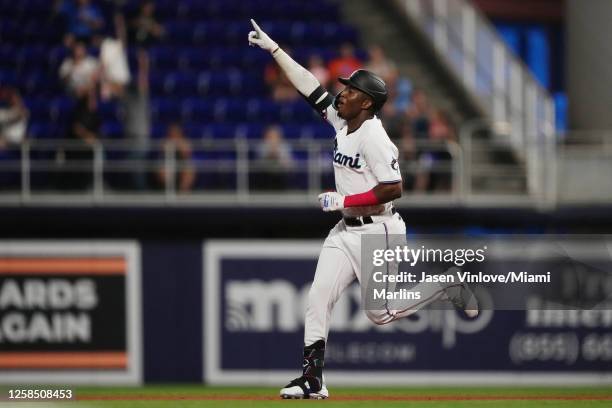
(346, 398)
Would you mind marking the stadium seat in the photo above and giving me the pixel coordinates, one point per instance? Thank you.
(111, 130)
(195, 109)
(202, 73)
(165, 109)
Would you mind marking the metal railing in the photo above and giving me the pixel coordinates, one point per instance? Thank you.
(503, 86)
(108, 171)
(582, 169)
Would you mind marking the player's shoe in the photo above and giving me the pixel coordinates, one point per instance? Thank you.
(300, 388)
(462, 297)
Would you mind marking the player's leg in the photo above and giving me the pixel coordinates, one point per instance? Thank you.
(334, 273)
(384, 311)
(459, 294)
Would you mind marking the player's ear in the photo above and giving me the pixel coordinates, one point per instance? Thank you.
(367, 103)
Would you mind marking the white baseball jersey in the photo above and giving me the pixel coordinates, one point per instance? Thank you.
(362, 159)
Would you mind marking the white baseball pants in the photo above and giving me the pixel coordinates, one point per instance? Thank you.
(340, 263)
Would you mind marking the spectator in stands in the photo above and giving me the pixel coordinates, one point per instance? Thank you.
(185, 175)
(434, 160)
(394, 111)
(418, 113)
(84, 133)
(407, 156)
(280, 87)
(400, 89)
(13, 118)
(393, 119)
(379, 64)
(441, 133)
(317, 67)
(84, 20)
(114, 70)
(275, 158)
(343, 65)
(440, 128)
(80, 72)
(137, 120)
(145, 30)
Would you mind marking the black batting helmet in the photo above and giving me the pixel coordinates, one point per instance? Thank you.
(370, 84)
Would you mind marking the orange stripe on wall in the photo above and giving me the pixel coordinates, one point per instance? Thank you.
(71, 266)
(63, 359)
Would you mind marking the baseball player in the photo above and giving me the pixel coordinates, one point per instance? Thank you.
(367, 179)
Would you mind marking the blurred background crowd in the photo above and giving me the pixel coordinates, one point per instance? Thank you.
(165, 74)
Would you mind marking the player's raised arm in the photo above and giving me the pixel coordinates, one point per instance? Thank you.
(300, 77)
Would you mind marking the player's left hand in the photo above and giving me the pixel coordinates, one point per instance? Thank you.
(331, 201)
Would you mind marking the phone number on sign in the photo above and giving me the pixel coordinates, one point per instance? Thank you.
(28, 394)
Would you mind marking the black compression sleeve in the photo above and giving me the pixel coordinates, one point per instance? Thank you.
(321, 105)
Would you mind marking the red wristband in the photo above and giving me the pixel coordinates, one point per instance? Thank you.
(362, 199)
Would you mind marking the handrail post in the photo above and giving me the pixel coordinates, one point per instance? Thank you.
(242, 169)
(170, 170)
(465, 137)
(456, 153)
(98, 171)
(314, 169)
(25, 171)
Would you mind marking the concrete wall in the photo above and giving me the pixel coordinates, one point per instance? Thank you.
(589, 58)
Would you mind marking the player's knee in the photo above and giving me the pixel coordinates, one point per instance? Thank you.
(313, 294)
(379, 317)
(318, 294)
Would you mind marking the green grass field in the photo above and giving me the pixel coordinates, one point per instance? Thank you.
(201, 396)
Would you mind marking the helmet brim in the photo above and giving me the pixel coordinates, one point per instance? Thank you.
(347, 81)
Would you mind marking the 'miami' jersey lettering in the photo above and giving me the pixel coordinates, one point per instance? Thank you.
(363, 158)
(344, 160)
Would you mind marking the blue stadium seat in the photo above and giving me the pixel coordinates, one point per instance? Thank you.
(196, 109)
(111, 130)
(29, 56)
(250, 130)
(55, 56)
(163, 57)
(202, 74)
(538, 54)
(263, 110)
(292, 131)
(165, 109)
(158, 130)
(321, 130)
(561, 107)
(178, 32)
(60, 109)
(194, 130)
(219, 131)
(298, 111)
(39, 83)
(109, 111)
(47, 130)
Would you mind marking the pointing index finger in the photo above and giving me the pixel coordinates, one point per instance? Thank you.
(255, 25)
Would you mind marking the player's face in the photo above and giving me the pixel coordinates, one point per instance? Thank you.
(351, 102)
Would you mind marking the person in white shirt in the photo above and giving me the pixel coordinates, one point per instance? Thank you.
(368, 179)
(80, 72)
(13, 118)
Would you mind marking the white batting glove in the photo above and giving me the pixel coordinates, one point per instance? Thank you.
(261, 39)
(331, 201)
